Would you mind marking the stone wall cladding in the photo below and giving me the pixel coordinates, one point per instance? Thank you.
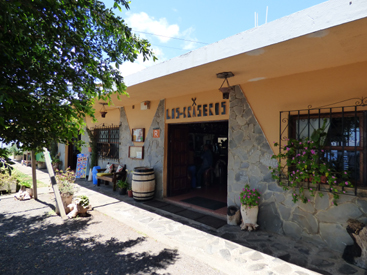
(249, 156)
(153, 147)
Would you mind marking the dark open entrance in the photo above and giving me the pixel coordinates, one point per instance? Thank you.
(186, 146)
(72, 155)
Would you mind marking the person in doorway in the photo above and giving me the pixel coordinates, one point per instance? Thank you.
(207, 161)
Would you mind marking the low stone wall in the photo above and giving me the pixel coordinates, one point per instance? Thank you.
(249, 156)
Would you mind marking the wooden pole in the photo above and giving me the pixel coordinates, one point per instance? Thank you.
(34, 175)
(51, 173)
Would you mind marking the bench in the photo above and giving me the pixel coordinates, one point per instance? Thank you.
(114, 177)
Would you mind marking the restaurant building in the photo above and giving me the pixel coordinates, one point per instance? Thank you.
(289, 76)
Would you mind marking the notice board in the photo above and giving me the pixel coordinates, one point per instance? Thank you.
(81, 166)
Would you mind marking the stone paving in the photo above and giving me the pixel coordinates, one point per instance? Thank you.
(228, 248)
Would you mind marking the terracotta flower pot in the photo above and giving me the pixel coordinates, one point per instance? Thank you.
(130, 193)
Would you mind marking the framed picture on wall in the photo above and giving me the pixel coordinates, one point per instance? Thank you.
(136, 152)
(138, 135)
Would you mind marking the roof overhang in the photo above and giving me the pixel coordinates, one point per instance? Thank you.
(327, 35)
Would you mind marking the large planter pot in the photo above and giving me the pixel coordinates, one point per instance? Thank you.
(56, 165)
(249, 217)
(41, 165)
(18, 157)
(66, 200)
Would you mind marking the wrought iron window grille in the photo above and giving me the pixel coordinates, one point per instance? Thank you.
(108, 141)
(344, 144)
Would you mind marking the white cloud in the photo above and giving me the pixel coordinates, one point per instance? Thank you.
(128, 68)
(145, 23)
(187, 34)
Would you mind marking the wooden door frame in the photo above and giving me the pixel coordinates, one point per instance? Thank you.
(166, 150)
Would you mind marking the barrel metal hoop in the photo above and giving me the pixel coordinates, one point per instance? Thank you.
(144, 180)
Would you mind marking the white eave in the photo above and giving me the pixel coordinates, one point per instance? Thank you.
(320, 17)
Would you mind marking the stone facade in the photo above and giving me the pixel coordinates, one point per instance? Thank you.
(249, 156)
(153, 147)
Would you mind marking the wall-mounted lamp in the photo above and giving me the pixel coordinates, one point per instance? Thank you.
(225, 90)
(103, 110)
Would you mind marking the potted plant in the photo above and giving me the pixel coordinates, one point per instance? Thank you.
(123, 185)
(130, 192)
(249, 199)
(41, 164)
(65, 183)
(56, 163)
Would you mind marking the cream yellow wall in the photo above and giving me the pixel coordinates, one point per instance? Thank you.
(138, 118)
(112, 117)
(318, 88)
(204, 98)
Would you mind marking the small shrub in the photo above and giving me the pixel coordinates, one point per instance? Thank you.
(65, 181)
(84, 200)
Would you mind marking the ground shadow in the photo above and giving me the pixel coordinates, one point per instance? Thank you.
(36, 245)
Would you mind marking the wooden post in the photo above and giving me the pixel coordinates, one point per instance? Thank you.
(51, 173)
(34, 175)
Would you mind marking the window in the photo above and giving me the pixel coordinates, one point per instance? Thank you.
(108, 142)
(342, 134)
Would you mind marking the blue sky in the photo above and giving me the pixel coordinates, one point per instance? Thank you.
(189, 22)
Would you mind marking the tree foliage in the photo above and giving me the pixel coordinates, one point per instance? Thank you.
(53, 53)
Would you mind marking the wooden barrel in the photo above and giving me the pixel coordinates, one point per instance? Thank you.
(143, 183)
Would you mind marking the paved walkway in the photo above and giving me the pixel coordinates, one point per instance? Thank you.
(228, 248)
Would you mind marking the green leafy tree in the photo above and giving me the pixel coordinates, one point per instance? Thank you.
(53, 53)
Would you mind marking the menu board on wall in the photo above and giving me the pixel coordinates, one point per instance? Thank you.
(81, 167)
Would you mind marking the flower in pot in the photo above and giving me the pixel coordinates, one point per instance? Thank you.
(123, 185)
(249, 199)
(65, 183)
(130, 192)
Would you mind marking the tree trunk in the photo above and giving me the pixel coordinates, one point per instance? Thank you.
(34, 177)
(357, 253)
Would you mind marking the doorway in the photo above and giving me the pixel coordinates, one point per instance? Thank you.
(187, 143)
(73, 151)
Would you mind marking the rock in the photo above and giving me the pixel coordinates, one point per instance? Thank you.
(339, 214)
(292, 229)
(308, 207)
(335, 236)
(285, 212)
(279, 197)
(322, 263)
(363, 205)
(321, 203)
(347, 269)
(357, 252)
(269, 218)
(273, 186)
(225, 254)
(305, 220)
